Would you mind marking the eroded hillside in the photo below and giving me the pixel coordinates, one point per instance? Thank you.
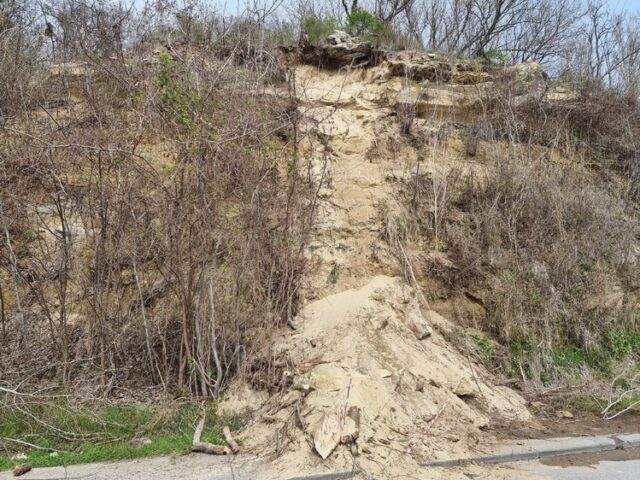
(361, 251)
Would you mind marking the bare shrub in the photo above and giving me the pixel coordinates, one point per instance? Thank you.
(599, 125)
(545, 245)
(162, 211)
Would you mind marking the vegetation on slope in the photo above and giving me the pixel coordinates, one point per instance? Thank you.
(544, 234)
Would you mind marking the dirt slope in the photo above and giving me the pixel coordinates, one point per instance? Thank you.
(355, 343)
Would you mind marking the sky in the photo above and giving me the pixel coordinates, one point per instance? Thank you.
(631, 6)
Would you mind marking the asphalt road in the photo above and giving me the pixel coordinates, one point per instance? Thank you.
(613, 465)
(627, 470)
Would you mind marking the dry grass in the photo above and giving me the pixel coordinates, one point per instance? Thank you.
(546, 237)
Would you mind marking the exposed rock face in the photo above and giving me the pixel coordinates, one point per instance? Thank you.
(528, 80)
(340, 50)
(427, 70)
(343, 50)
(341, 38)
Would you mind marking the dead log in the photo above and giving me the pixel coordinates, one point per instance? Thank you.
(204, 447)
(209, 448)
(230, 440)
(21, 469)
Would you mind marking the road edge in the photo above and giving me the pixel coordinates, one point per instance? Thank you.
(555, 447)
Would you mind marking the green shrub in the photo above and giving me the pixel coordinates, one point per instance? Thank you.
(495, 55)
(622, 342)
(363, 22)
(177, 101)
(318, 29)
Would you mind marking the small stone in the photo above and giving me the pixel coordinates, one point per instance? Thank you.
(140, 442)
(326, 436)
(355, 450)
(302, 386)
(420, 384)
(538, 404)
(564, 414)
(313, 342)
(384, 373)
(418, 325)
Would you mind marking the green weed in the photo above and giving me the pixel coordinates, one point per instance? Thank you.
(317, 29)
(485, 348)
(334, 273)
(92, 433)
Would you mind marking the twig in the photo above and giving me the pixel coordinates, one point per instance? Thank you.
(475, 376)
(624, 410)
(37, 447)
(343, 414)
(301, 421)
(230, 440)
(22, 394)
(629, 392)
(433, 421)
(2, 315)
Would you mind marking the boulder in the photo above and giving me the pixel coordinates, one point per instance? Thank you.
(339, 50)
(331, 431)
(341, 38)
(418, 325)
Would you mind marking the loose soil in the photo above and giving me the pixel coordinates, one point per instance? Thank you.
(355, 341)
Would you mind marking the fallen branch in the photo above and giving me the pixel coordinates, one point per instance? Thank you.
(204, 447)
(627, 395)
(37, 447)
(230, 440)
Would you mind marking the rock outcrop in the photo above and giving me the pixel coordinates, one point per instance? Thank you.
(339, 50)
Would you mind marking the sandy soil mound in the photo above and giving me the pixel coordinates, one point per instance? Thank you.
(365, 344)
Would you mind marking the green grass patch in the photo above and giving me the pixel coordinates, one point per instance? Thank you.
(570, 360)
(485, 348)
(82, 433)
